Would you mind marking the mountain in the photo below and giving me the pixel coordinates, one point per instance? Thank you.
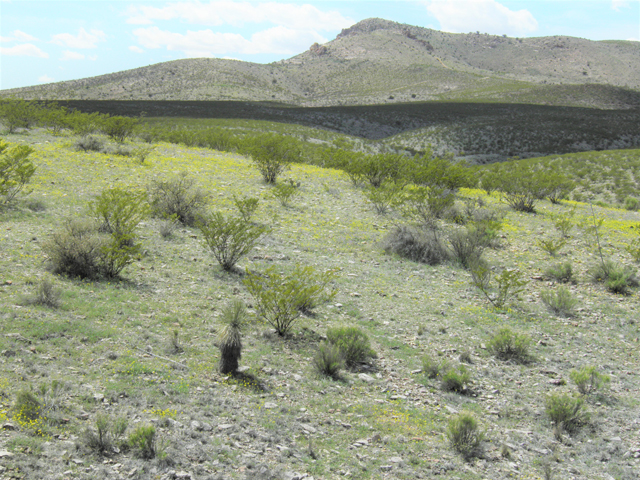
(377, 61)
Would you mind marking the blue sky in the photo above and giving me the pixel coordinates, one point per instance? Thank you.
(50, 41)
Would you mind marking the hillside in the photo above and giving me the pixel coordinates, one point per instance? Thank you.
(144, 346)
(378, 61)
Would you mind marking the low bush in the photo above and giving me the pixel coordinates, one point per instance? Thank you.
(106, 435)
(507, 345)
(465, 435)
(507, 286)
(561, 272)
(631, 203)
(565, 411)
(616, 277)
(559, 302)
(433, 368)
(89, 144)
(271, 154)
(229, 239)
(563, 222)
(416, 245)
(328, 360)
(118, 128)
(246, 206)
(178, 197)
(353, 344)
(455, 379)
(466, 246)
(46, 294)
(284, 192)
(552, 245)
(144, 441)
(589, 380)
(382, 198)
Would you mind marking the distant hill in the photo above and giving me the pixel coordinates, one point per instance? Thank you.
(377, 61)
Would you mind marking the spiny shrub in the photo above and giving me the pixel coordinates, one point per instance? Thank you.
(106, 435)
(617, 278)
(229, 239)
(507, 285)
(89, 144)
(467, 245)
(353, 344)
(285, 192)
(416, 245)
(280, 298)
(507, 345)
(174, 345)
(433, 368)
(465, 435)
(233, 316)
(168, 227)
(561, 272)
(246, 206)
(46, 294)
(589, 380)
(559, 302)
(16, 170)
(552, 245)
(455, 379)
(144, 441)
(178, 197)
(565, 411)
(328, 360)
(76, 249)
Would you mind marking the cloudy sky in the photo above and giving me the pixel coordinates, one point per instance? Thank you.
(50, 41)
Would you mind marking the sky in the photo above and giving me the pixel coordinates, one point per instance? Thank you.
(52, 41)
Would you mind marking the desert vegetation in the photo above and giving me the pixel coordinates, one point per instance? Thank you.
(173, 316)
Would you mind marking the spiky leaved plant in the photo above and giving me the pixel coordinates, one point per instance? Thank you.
(229, 341)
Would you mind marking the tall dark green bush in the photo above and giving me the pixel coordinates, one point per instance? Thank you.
(16, 170)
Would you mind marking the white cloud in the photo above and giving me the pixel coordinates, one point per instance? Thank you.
(633, 39)
(294, 16)
(206, 43)
(618, 5)
(46, 79)
(69, 55)
(24, 50)
(460, 16)
(135, 49)
(19, 36)
(84, 39)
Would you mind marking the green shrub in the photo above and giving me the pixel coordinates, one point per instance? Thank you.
(560, 302)
(507, 285)
(168, 227)
(284, 192)
(118, 128)
(433, 368)
(423, 205)
(90, 144)
(522, 188)
(16, 170)
(246, 206)
(280, 298)
(551, 245)
(27, 407)
(119, 212)
(142, 153)
(416, 245)
(565, 411)
(467, 245)
(561, 272)
(46, 294)
(352, 343)
(328, 360)
(382, 198)
(455, 379)
(557, 186)
(178, 197)
(84, 124)
(465, 436)
(631, 203)
(617, 278)
(588, 380)
(507, 345)
(144, 441)
(271, 154)
(17, 113)
(234, 317)
(106, 435)
(563, 222)
(229, 239)
(76, 250)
